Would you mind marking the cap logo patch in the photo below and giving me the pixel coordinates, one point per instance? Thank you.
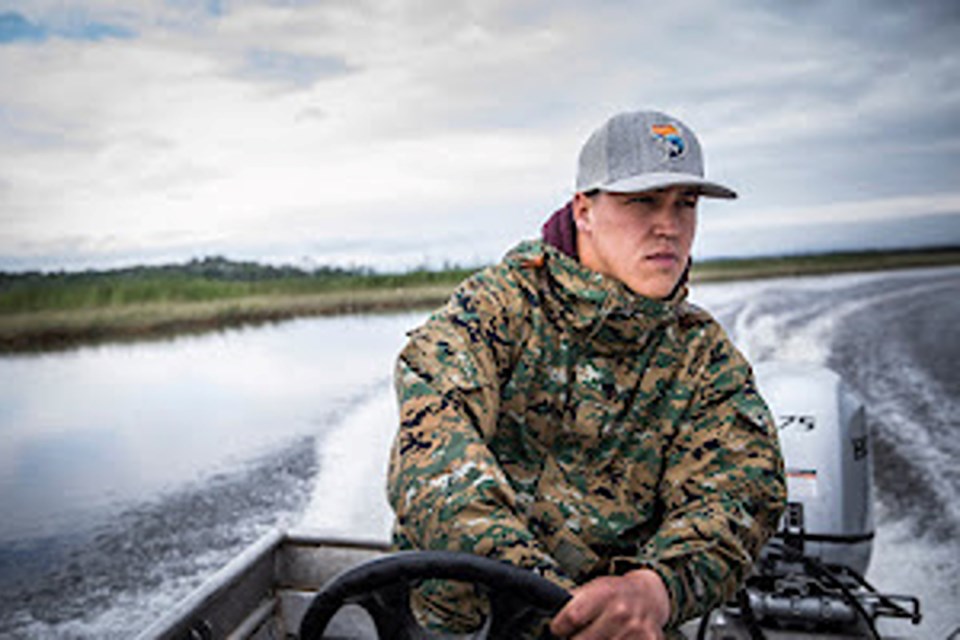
(668, 137)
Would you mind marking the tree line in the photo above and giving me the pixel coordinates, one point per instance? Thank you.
(200, 279)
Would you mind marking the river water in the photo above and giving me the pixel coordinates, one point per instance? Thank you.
(130, 472)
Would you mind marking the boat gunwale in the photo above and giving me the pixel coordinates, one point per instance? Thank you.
(268, 548)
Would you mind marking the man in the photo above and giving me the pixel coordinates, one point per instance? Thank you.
(567, 411)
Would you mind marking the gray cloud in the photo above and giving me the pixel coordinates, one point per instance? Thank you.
(396, 123)
(293, 69)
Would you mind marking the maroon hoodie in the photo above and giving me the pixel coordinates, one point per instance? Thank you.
(560, 231)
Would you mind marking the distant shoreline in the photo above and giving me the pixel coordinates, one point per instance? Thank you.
(51, 313)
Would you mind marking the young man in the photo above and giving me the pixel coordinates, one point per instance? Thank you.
(569, 412)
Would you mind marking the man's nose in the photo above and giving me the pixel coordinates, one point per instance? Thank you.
(666, 218)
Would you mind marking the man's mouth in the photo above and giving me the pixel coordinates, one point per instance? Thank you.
(663, 258)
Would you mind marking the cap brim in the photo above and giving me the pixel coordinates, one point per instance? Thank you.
(651, 181)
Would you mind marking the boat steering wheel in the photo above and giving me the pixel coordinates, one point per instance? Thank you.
(517, 597)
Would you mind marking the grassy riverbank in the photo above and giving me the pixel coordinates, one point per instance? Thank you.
(44, 311)
(823, 264)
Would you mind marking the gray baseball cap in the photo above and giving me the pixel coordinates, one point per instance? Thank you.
(641, 151)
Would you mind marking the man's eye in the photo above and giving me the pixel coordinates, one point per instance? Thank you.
(688, 204)
(640, 200)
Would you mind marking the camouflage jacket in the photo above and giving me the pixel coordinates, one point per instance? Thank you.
(552, 418)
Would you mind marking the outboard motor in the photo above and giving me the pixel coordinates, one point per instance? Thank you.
(810, 575)
(823, 435)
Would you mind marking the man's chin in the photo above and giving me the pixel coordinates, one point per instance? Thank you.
(654, 283)
(657, 290)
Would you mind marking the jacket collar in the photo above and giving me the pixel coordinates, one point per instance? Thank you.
(589, 302)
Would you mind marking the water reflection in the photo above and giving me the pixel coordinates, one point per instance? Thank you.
(89, 430)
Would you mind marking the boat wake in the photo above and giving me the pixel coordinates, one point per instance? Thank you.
(892, 338)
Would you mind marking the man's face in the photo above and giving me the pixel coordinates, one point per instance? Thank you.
(642, 239)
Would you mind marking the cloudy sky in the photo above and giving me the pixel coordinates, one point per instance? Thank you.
(393, 133)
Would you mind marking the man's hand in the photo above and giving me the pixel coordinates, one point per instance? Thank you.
(634, 606)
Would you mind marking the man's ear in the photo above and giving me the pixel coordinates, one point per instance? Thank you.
(582, 212)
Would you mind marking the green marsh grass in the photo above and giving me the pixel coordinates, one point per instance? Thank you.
(46, 311)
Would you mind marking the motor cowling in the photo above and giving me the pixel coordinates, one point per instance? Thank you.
(826, 447)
